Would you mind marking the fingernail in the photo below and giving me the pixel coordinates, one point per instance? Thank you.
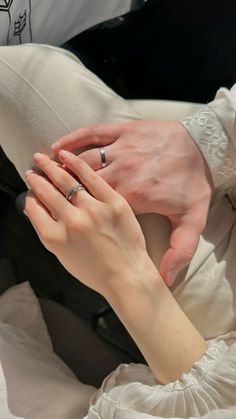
(55, 146)
(64, 154)
(39, 156)
(170, 276)
(24, 211)
(29, 172)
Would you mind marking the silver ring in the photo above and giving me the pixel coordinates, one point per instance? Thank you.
(103, 157)
(78, 187)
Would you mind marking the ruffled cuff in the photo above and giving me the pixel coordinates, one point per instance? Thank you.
(200, 369)
(132, 391)
(215, 145)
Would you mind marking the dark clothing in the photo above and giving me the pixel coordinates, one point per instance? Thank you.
(176, 50)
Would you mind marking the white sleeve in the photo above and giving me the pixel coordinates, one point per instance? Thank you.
(213, 128)
(207, 391)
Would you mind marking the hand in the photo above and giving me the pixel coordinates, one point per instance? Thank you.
(95, 236)
(158, 168)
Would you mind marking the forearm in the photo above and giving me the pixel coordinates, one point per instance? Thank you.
(167, 339)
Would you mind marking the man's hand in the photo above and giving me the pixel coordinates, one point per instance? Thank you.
(159, 169)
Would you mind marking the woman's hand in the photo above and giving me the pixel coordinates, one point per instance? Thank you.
(97, 238)
(96, 235)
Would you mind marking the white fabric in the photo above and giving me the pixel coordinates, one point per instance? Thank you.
(131, 391)
(34, 382)
(37, 106)
(213, 128)
(163, 108)
(53, 21)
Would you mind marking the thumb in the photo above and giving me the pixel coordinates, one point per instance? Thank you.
(183, 243)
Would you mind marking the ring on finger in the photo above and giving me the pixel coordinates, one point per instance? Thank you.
(76, 188)
(103, 157)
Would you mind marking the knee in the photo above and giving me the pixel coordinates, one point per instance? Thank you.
(21, 57)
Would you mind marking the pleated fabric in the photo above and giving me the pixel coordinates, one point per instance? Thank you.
(207, 390)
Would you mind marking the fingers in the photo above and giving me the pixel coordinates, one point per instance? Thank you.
(39, 216)
(90, 179)
(183, 243)
(61, 178)
(47, 194)
(97, 135)
(93, 158)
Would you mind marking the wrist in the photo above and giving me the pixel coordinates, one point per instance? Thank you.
(157, 324)
(126, 286)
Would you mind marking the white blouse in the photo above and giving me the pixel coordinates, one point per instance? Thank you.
(207, 389)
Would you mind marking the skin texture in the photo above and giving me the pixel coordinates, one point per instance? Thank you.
(98, 225)
(159, 169)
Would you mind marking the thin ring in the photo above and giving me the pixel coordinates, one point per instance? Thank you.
(78, 187)
(103, 157)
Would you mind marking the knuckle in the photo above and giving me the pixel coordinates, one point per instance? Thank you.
(79, 224)
(137, 193)
(118, 208)
(96, 131)
(96, 140)
(48, 238)
(60, 178)
(71, 222)
(54, 240)
(128, 166)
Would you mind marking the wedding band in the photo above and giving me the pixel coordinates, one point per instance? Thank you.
(103, 157)
(78, 187)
